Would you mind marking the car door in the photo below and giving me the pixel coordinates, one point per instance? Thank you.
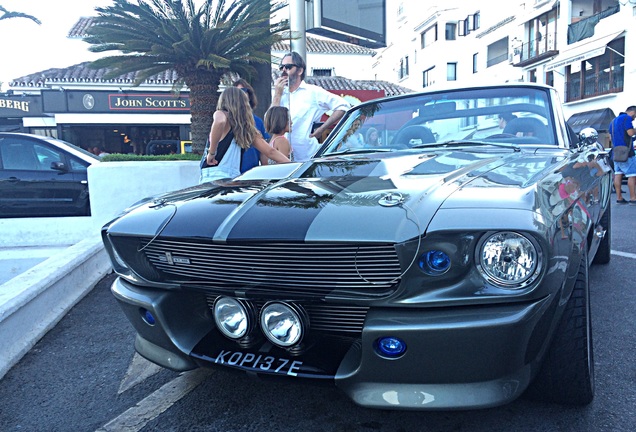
(37, 180)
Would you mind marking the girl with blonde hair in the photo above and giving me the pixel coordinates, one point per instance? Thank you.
(233, 131)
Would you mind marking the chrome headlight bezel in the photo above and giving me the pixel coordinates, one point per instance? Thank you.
(239, 307)
(295, 317)
(502, 272)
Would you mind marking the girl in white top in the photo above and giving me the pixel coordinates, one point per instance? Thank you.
(277, 124)
(233, 120)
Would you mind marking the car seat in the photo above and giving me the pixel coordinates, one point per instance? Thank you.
(527, 126)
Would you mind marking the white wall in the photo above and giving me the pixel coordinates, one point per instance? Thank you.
(113, 186)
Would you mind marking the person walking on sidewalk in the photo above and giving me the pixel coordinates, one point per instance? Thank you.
(621, 133)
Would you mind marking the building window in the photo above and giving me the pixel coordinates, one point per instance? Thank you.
(451, 31)
(597, 76)
(475, 63)
(427, 77)
(400, 10)
(451, 71)
(540, 38)
(476, 21)
(472, 22)
(497, 52)
(403, 71)
(322, 72)
(532, 76)
(549, 78)
(428, 36)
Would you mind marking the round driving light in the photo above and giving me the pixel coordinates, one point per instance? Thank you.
(231, 317)
(147, 317)
(391, 347)
(281, 324)
(434, 262)
(509, 259)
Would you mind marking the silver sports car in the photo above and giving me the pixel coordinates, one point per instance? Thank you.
(443, 265)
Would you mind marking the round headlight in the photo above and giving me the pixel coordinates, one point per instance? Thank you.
(281, 324)
(509, 259)
(231, 317)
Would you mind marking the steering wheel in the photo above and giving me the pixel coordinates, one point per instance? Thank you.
(501, 135)
(413, 132)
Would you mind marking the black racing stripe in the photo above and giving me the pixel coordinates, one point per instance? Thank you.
(202, 217)
(284, 213)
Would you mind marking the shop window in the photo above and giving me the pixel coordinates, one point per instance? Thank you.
(597, 76)
(549, 78)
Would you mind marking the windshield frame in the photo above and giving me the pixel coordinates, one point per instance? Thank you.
(532, 100)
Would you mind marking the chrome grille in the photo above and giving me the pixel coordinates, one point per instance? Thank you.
(340, 270)
(330, 318)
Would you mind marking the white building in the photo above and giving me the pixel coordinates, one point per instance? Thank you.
(577, 46)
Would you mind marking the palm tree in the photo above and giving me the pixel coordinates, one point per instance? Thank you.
(6, 15)
(202, 46)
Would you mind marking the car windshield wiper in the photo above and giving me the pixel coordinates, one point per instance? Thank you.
(515, 147)
(359, 150)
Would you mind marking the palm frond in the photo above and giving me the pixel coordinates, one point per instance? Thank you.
(8, 15)
(219, 38)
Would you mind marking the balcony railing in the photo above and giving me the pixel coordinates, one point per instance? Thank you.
(535, 50)
(593, 85)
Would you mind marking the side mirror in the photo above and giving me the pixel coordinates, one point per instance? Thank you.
(58, 166)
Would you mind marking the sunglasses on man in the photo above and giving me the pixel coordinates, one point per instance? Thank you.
(286, 66)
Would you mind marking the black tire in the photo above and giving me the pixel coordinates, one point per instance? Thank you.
(567, 373)
(604, 252)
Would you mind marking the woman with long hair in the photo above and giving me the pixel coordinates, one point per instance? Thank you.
(233, 131)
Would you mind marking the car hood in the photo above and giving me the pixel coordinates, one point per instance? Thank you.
(370, 198)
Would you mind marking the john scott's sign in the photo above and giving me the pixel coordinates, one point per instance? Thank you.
(147, 102)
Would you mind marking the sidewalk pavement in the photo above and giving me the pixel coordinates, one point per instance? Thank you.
(16, 260)
(38, 286)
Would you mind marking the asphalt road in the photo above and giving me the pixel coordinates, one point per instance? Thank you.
(84, 376)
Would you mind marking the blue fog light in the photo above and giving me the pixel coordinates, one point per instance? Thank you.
(434, 262)
(148, 317)
(390, 347)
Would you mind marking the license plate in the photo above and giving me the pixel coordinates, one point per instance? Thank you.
(258, 362)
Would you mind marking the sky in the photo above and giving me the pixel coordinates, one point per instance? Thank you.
(26, 47)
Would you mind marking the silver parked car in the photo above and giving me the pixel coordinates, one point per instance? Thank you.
(444, 266)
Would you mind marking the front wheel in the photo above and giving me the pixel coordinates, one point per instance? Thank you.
(567, 373)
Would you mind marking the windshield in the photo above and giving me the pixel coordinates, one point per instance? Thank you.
(500, 116)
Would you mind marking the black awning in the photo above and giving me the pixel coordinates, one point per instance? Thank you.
(599, 119)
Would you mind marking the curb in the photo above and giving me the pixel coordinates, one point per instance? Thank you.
(53, 287)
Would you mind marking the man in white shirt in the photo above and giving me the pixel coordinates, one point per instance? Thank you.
(306, 103)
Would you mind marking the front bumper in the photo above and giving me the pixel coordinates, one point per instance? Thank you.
(456, 358)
